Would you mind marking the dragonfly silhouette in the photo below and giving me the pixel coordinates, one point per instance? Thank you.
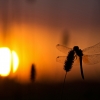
(89, 55)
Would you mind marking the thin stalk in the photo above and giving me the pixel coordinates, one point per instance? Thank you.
(63, 85)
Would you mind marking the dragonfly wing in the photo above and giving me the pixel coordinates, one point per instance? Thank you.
(63, 48)
(92, 49)
(91, 59)
(61, 59)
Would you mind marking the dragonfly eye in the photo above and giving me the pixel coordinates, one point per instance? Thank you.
(75, 48)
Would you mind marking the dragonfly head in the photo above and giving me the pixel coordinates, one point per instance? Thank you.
(75, 48)
(78, 51)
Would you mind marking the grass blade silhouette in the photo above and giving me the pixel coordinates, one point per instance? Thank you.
(63, 85)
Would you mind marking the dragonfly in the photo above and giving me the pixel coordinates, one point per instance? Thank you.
(89, 56)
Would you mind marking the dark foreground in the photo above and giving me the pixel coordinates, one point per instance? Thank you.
(77, 90)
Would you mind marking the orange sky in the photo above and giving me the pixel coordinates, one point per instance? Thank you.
(40, 29)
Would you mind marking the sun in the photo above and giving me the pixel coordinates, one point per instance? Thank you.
(8, 58)
(15, 61)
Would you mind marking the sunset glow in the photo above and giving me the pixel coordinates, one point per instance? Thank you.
(29, 33)
(6, 61)
(15, 61)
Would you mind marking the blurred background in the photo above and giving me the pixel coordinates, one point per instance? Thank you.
(32, 29)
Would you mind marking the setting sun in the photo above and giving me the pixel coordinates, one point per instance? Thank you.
(15, 61)
(8, 58)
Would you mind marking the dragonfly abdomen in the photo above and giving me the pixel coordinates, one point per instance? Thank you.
(69, 61)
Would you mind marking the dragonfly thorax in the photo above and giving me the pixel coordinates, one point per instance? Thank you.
(78, 51)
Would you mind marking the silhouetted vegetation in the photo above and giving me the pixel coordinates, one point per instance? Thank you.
(33, 73)
(76, 90)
